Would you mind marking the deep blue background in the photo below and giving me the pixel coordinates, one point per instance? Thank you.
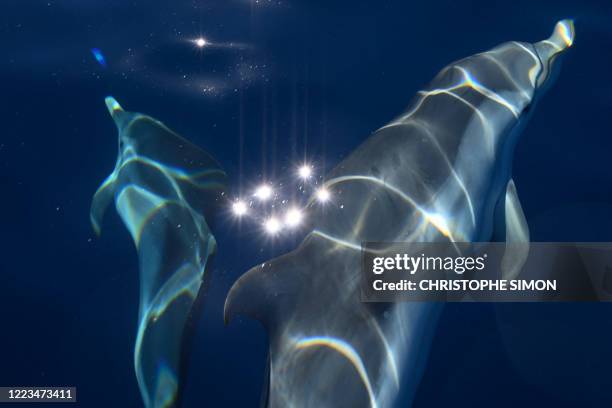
(314, 74)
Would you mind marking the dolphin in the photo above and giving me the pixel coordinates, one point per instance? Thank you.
(439, 172)
(163, 187)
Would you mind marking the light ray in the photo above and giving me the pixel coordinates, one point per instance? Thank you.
(346, 350)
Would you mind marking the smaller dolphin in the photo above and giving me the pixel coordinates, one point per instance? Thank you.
(162, 186)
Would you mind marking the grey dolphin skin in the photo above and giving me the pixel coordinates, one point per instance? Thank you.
(439, 172)
(162, 186)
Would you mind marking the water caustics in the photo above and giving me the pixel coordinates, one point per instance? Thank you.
(163, 186)
(439, 172)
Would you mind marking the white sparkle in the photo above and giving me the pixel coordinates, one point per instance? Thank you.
(200, 42)
(293, 217)
(272, 226)
(239, 208)
(305, 171)
(323, 195)
(263, 192)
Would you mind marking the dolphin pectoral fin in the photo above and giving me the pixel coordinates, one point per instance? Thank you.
(517, 235)
(252, 294)
(101, 199)
(263, 291)
(237, 301)
(105, 193)
(517, 229)
(163, 188)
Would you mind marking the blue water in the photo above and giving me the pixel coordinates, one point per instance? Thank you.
(288, 80)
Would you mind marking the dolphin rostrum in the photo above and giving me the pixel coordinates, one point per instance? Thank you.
(162, 186)
(439, 172)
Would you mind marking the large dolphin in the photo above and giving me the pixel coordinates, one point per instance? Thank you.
(162, 186)
(441, 171)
